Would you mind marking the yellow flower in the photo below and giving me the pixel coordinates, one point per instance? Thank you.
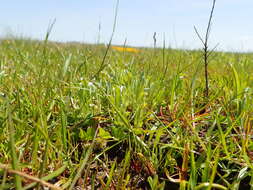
(126, 49)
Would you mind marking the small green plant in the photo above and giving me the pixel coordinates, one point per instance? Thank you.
(155, 184)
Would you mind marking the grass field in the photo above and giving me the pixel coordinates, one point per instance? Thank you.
(137, 120)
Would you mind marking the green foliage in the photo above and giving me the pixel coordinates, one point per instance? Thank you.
(154, 183)
(142, 122)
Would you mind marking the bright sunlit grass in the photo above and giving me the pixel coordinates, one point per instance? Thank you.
(142, 123)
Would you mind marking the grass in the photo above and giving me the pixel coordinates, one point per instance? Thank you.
(143, 123)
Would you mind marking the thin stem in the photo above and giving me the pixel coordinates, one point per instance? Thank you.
(206, 52)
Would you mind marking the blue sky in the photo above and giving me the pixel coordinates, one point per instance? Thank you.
(172, 20)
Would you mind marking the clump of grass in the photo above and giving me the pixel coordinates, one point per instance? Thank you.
(127, 128)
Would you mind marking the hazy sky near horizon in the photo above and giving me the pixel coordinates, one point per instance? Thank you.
(172, 20)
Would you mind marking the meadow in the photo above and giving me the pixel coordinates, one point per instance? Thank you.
(133, 119)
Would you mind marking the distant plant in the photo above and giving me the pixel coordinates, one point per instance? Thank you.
(125, 49)
(206, 51)
(103, 63)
